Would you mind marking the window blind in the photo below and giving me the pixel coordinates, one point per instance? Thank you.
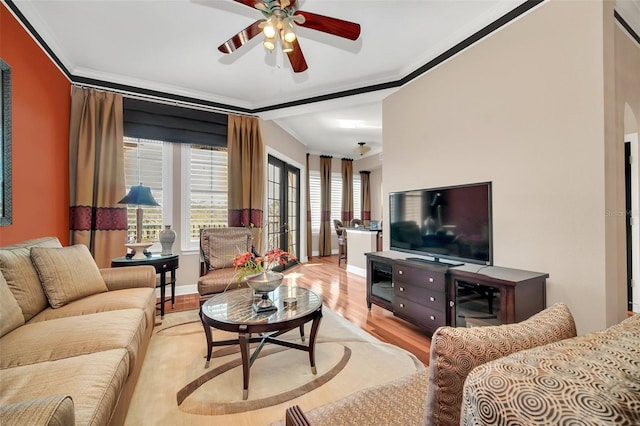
(170, 123)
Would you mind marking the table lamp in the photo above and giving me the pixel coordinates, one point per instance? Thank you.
(140, 196)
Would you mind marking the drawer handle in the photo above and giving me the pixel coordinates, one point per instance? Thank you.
(402, 305)
(401, 288)
(432, 318)
(430, 279)
(400, 272)
(432, 299)
(164, 266)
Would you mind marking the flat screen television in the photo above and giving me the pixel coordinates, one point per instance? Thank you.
(451, 223)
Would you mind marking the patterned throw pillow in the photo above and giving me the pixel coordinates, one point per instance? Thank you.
(67, 273)
(457, 351)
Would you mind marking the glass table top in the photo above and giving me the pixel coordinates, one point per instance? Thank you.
(235, 306)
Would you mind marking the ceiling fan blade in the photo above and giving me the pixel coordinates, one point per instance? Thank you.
(296, 58)
(239, 40)
(250, 3)
(330, 25)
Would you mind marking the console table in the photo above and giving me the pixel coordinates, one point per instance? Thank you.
(163, 264)
(431, 295)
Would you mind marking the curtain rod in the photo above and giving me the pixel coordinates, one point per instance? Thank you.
(159, 99)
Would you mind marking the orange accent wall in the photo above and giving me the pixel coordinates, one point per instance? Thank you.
(40, 138)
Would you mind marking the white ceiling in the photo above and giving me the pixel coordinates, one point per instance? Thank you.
(170, 46)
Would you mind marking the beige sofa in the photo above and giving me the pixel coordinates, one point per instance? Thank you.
(218, 247)
(72, 336)
(503, 371)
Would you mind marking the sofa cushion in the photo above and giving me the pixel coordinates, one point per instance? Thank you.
(40, 341)
(93, 381)
(22, 277)
(55, 410)
(592, 379)
(131, 298)
(67, 273)
(10, 313)
(457, 351)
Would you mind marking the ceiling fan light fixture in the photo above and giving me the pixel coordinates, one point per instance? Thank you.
(288, 34)
(269, 43)
(362, 148)
(269, 29)
(287, 46)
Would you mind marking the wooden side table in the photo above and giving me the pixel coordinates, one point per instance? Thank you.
(163, 264)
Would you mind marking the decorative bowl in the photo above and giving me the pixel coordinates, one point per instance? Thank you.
(138, 249)
(264, 282)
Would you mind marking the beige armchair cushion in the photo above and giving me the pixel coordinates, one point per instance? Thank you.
(219, 280)
(457, 351)
(22, 277)
(67, 273)
(10, 313)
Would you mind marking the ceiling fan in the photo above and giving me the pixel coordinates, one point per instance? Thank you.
(279, 17)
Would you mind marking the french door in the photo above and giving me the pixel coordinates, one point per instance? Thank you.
(283, 213)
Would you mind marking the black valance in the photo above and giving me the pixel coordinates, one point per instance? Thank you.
(170, 123)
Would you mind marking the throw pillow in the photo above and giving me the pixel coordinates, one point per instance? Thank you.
(457, 351)
(220, 245)
(22, 277)
(10, 311)
(67, 273)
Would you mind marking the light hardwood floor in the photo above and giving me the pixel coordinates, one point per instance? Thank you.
(345, 293)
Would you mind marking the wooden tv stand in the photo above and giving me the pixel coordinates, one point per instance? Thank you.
(432, 295)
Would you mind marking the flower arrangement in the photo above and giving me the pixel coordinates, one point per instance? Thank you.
(246, 264)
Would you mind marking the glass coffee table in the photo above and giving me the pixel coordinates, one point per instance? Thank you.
(233, 311)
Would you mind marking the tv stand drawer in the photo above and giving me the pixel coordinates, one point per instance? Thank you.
(420, 275)
(420, 315)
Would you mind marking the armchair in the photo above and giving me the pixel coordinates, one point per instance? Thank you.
(218, 246)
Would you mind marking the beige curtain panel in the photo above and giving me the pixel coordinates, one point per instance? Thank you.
(96, 174)
(347, 191)
(365, 197)
(246, 175)
(309, 233)
(324, 240)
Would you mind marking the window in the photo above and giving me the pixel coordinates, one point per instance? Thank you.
(144, 164)
(357, 191)
(204, 182)
(205, 190)
(155, 134)
(336, 198)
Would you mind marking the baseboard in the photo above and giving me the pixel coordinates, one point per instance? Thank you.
(355, 270)
(181, 290)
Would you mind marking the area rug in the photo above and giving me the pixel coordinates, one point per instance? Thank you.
(174, 387)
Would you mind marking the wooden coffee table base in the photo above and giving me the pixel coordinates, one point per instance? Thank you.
(268, 333)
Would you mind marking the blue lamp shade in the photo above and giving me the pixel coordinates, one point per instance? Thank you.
(140, 196)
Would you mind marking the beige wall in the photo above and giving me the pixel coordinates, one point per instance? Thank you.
(525, 109)
(373, 163)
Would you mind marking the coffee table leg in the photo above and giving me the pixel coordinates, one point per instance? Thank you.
(207, 333)
(302, 332)
(243, 339)
(312, 341)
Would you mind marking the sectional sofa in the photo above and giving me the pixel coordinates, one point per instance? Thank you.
(72, 337)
